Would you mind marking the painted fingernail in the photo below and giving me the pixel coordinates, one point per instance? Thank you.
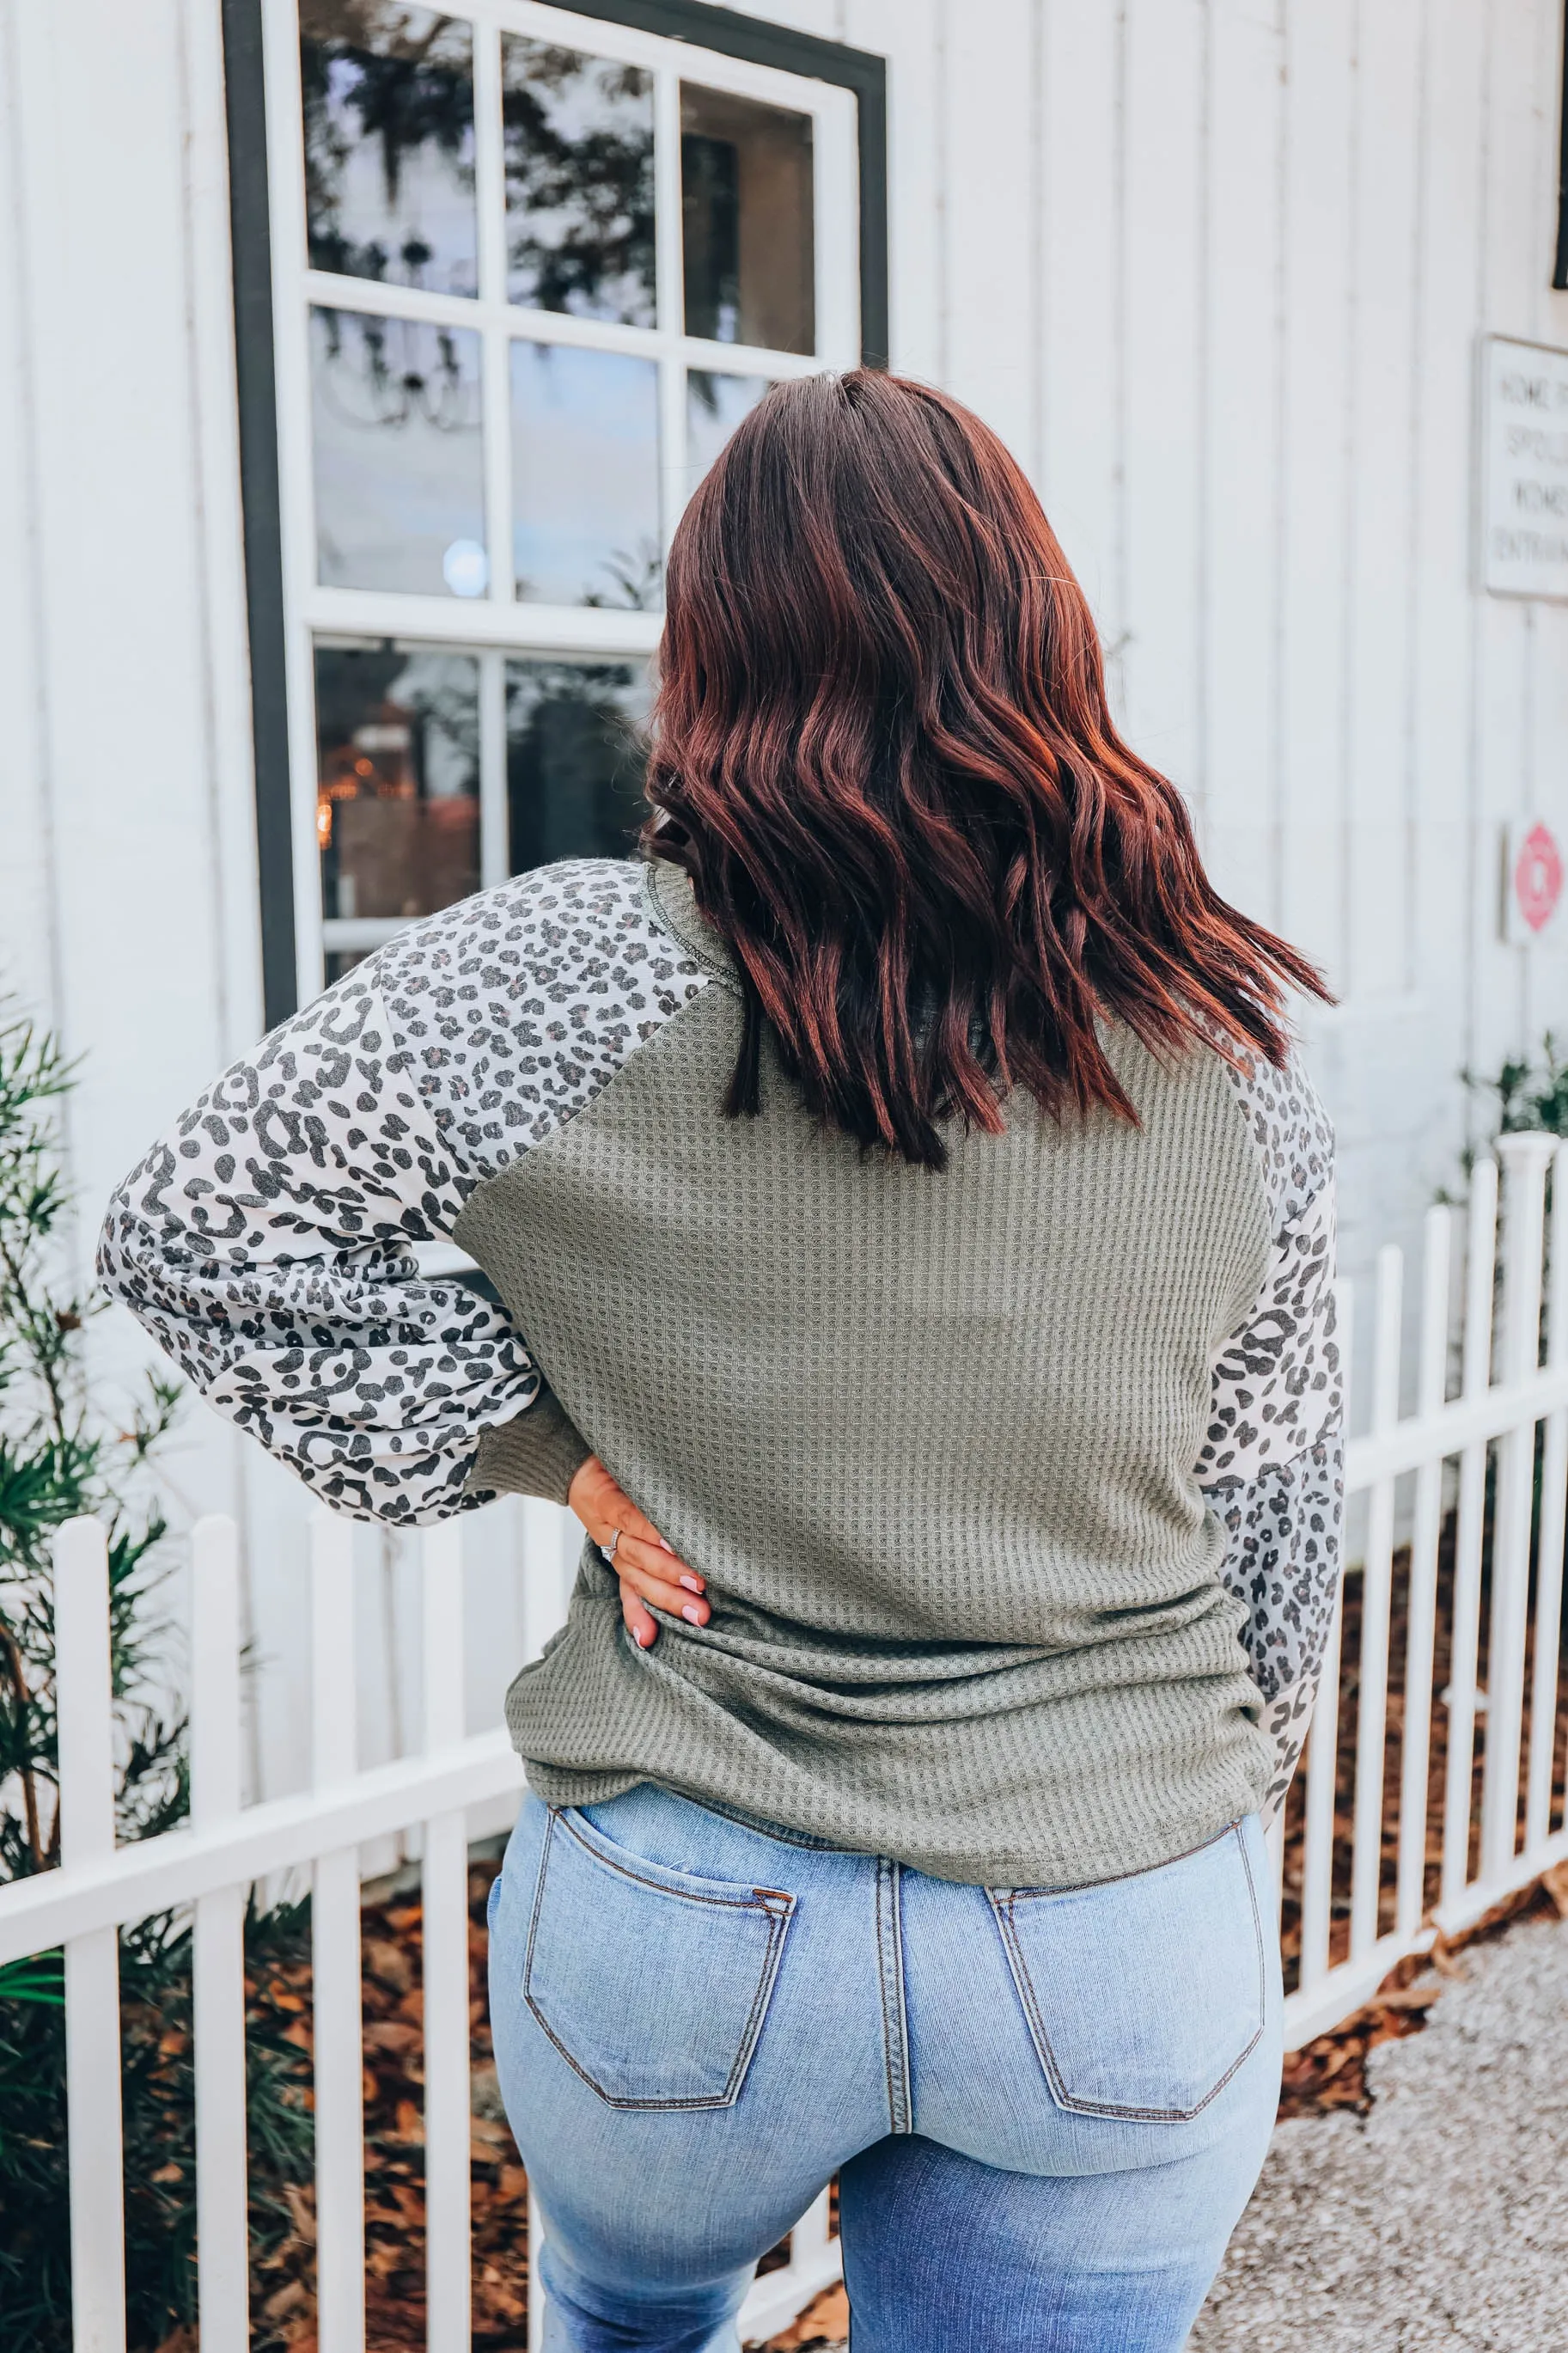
(692, 1615)
(692, 1584)
(665, 1545)
(643, 1640)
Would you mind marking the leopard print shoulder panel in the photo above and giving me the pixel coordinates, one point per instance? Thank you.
(266, 1241)
(514, 1009)
(1271, 1463)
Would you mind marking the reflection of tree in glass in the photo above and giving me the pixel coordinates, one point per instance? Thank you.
(580, 181)
(711, 235)
(400, 76)
(576, 757)
(636, 581)
(439, 691)
(397, 780)
(403, 369)
(448, 707)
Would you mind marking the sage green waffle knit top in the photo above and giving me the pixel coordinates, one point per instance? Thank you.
(1014, 1486)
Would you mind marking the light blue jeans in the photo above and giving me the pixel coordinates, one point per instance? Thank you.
(1046, 2111)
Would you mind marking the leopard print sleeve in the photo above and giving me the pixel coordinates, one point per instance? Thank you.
(1272, 1463)
(267, 1240)
(267, 1243)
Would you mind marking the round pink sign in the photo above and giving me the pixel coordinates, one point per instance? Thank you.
(1538, 877)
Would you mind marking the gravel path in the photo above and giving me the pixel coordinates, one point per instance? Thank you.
(1440, 2219)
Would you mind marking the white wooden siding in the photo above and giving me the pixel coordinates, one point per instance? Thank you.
(1216, 269)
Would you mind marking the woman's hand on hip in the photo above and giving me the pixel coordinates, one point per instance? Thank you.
(650, 1570)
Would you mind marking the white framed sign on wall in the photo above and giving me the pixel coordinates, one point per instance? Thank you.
(1523, 529)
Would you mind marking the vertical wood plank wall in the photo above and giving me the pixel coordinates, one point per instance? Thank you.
(1216, 272)
(1216, 269)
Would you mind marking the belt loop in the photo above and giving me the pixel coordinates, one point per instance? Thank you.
(895, 2018)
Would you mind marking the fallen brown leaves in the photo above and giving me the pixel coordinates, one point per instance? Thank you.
(283, 2282)
(824, 2321)
(1330, 2072)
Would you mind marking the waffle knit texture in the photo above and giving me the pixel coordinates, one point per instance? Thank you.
(988, 1471)
(930, 1439)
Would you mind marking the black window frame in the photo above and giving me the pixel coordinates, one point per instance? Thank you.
(1559, 265)
(748, 38)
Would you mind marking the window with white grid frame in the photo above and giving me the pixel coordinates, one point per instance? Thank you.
(529, 270)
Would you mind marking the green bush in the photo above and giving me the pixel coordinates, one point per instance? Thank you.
(1523, 1097)
(62, 1452)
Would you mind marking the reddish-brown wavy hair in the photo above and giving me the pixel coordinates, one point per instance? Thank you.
(882, 752)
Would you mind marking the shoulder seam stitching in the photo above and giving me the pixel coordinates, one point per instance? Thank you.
(696, 949)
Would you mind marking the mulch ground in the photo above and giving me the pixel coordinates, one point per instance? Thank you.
(1329, 2074)
(283, 2282)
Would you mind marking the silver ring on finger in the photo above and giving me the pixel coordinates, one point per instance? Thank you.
(610, 1549)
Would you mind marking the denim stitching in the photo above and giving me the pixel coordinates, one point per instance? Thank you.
(882, 1993)
(551, 1821)
(759, 2002)
(1001, 1902)
(890, 1990)
(901, 2017)
(778, 1923)
(749, 1901)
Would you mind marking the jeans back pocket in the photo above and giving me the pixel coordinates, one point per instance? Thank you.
(1144, 1995)
(652, 1984)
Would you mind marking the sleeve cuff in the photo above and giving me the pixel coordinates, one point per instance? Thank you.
(537, 1453)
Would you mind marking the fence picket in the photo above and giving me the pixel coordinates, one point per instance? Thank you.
(1480, 1261)
(1323, 1747)
(1275, 1844)
(1525, 1159)
(217, 1939)
(100, 1887)
(1422, 1606)
(1553, 1530)
(535, 2281)
(444, 1908)
(94, 2126)
(335, 1955)
(813, 2261)
(551, 1541)
(809, 2240)
(1377, 1577)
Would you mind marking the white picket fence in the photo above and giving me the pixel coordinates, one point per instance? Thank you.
(207, 1865)
(1509, 1386)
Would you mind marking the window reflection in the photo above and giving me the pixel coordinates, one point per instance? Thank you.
(574, 759)
(389, 142)
(747, 214)
(714, 406)
(399, 493)
(584, 429)
(579, 182)
(398, 807)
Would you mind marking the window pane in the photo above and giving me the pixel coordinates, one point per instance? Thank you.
(579, 182)
(585, 439)
(714, 406)
(746, 202)
(574, 759)
(389, 142)
(395, 431)
(397, 792)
